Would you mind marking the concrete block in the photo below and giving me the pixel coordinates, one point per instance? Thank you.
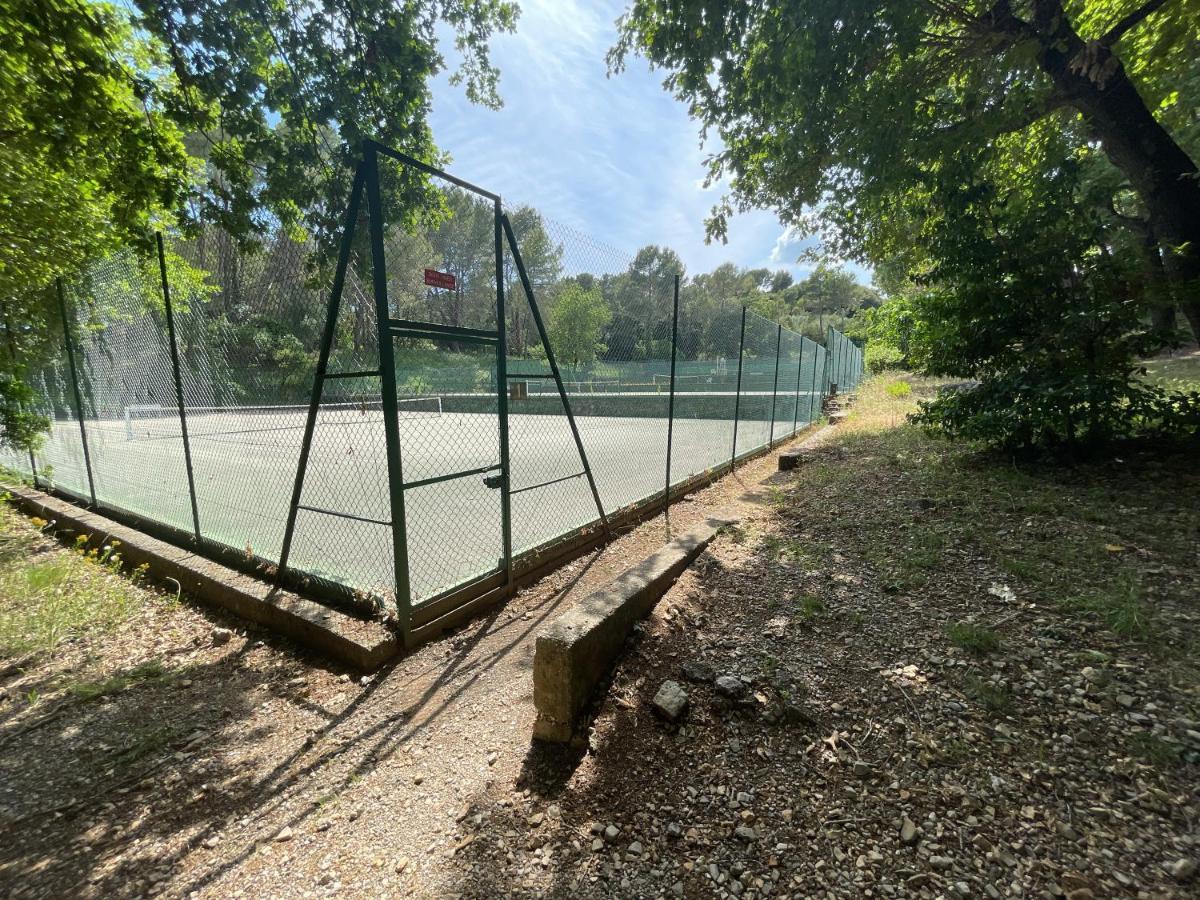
(576, 651)
(792, 458)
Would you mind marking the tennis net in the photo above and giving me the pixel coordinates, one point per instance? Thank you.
(152, 421)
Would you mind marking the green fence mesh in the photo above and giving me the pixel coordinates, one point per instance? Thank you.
(248, 326)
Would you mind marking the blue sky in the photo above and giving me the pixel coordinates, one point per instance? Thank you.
(617, 158)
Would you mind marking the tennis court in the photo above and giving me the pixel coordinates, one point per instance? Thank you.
(244, 461)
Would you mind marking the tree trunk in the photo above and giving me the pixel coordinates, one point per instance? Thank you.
(1094, 81)
(1158, 285)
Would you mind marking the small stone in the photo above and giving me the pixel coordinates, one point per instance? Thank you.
(1066, 831)
(1182, 869)
(1081, 894)
(597, 844)
(401, 865)
(212, 841)
(285, 834)
(536, 819)
(746, 833)
(908, 831)
(611, 833)
(671, 701)
(862, 769)
(1125, 700)
(221, 636)
(492, 757)
(677, 889)
(941, 862)
(697, 672)
(730, 686)
(636, 848)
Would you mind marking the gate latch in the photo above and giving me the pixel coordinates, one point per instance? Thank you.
(494, 480)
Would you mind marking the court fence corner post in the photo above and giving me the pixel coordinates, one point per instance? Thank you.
(671, 395)
(69, 341)
(775, 384)
(502, 395)
(174, 345)
(737, 397)
(796, 407)
(387, 370)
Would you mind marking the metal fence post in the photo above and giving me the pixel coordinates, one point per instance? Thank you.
(775, 382)
(187, 448)
(671, 398)
(799, 368)
(69, 341)
(737, 397)
(387, 369)
(502, 396)
(812, 388)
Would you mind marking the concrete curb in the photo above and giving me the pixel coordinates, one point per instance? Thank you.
(575, 652)
(361, 644)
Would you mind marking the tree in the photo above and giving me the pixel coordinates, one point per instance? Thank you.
(846, 105)
(279, 97)
(543, 265)
(244, 114)
(87, 161)
(577, 323)
(1023, 294)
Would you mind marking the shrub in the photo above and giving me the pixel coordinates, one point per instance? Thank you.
(881, 357)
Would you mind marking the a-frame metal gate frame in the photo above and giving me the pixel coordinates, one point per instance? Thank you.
(366, 180)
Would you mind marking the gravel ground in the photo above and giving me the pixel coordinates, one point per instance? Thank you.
(209, 758)
(840, 739)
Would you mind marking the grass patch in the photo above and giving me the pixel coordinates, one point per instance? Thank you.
(1178, 373)
(991, 696)
(1154, 751)
(151, 670)
(1119, 606)
(809, 608)
(50, 595)
(1094, 540)
(145, 742)
(977, 639)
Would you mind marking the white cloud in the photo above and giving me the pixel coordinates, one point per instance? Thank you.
(616, 158)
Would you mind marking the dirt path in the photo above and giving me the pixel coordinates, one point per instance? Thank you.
(231, 765)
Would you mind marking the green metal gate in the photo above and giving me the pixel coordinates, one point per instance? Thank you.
(450, 523)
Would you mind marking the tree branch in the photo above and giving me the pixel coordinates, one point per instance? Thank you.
(1132, 20)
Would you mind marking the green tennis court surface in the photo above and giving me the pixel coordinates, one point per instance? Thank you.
(244, 463)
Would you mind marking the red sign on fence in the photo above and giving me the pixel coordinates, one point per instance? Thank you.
(437, 279)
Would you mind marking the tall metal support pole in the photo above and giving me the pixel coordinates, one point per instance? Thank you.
(502, 397)
(737, 398)
(68, 339)
(671, 397)
(825, 374)
(331, 315)
(387, 371)
(554, 370)
(187, 447)
(775, 383)
(812, 388)
(799, 368)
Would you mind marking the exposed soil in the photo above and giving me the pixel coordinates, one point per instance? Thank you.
(222, 761)
(912, 671)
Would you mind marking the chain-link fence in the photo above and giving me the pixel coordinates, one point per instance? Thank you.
(544, 385)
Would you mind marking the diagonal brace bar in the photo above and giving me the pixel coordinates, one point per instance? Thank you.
(553, 363)
(331, 316)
